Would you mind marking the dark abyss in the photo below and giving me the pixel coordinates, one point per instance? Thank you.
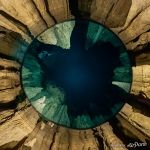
(85, 75)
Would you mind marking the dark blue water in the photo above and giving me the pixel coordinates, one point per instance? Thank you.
(84, 75)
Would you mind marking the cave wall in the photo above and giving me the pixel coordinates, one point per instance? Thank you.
(20, 21)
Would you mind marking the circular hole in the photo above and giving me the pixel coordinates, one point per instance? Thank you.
(76, 74)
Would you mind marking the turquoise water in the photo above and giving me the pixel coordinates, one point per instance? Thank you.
(76, 74)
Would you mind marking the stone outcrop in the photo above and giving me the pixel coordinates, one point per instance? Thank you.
(42, 7)
(26, 13)
(135, 123)
(110, 140)
(17, 128)
(112, 13)
(141, 80)
(135, 31)
(49, 136)
(59, 10)
(9, 81)
(12, 25)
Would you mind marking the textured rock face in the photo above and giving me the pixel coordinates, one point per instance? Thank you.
(9, 81)
(141, 80)
(110, 139)
(139, 123)
(59, 10)
(17, 128)
(135, 38)
(29, 16)
(44, 12)
(112, 13)
(60, 138)
(12, 25)
(12, 44)
(20, 22)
